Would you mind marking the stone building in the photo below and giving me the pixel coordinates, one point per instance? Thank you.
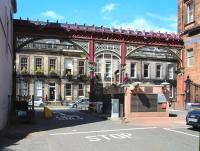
(189, 27)
(51, 69)
(57, 70)
(7, 8)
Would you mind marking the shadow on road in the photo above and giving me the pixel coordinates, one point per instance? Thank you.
(194, 129)
(19, 131)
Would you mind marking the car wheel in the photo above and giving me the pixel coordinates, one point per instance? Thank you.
(75, 106)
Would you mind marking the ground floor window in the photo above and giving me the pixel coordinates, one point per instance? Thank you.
(52, 91)
(80, 90)
(146, 70)
(68, 89)
(158, 71)
(38, 89)
(172, 93)
(133, 70)
(23, 90)
(108, 69)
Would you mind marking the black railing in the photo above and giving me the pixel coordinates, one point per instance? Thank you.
(24, 108)
(149, 77)
(49, 46)
(192, 92)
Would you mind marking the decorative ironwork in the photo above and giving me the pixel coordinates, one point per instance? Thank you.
(131, 48)
(83, 44)
(100, 46)
(153, 52)
(74, 31)
(22, 41)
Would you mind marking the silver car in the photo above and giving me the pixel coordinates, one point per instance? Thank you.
(80, 103)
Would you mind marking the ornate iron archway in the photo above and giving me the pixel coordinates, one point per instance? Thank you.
(92, 40)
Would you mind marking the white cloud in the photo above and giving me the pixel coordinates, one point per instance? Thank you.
(53, 15)
(108, 8)
(141, 24)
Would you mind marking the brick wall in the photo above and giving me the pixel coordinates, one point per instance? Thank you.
(191, 37)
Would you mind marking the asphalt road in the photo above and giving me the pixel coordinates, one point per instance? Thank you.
(71, 130)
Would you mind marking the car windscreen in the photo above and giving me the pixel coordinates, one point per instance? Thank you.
(193, 106)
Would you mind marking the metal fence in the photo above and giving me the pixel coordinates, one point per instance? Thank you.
(24, 108)
(192, 92)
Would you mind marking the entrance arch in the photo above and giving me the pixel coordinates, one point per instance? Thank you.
(31, 40)
(107, 63)
(174, 54)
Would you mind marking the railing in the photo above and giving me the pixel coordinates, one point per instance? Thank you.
(101, 29)
(24, 108)
(192, 93)
(151, 77)
(49, 46)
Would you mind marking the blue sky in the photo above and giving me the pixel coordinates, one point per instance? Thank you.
(156, 15)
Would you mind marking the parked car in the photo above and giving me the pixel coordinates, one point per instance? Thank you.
(37, 103)
(80, 103)
(193, 118)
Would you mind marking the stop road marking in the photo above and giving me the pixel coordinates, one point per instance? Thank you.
(108, 137)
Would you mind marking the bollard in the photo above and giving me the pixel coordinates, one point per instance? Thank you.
(47, 113)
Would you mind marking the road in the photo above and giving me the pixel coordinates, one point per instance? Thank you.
(71, 130)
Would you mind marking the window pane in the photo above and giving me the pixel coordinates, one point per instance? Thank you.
(108, 56)
(190, 57)
(38, 89)
(158, 71)
(80, 90)
(171, 72)
(38, 63)
(146, 70)
(68, 90)
(23, 88)
(171, 95)
(68, 64)
(98, 66)
(108, 69)
(190, 12)
(81, 67)
(23, 63)
(81, 63)
(133, 70)
(52, 63)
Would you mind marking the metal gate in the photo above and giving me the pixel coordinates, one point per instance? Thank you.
(192, 92)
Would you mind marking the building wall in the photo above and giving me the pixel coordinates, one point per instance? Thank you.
(60, 88)
(59, 85)
(191, 35)
(156, 89)
(6, 60)
(152, 64)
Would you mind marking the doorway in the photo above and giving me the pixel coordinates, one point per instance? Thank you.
(52, 92)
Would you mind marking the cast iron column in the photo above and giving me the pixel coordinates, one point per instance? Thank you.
(187, 91)
(91, 62)
(123, 61)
